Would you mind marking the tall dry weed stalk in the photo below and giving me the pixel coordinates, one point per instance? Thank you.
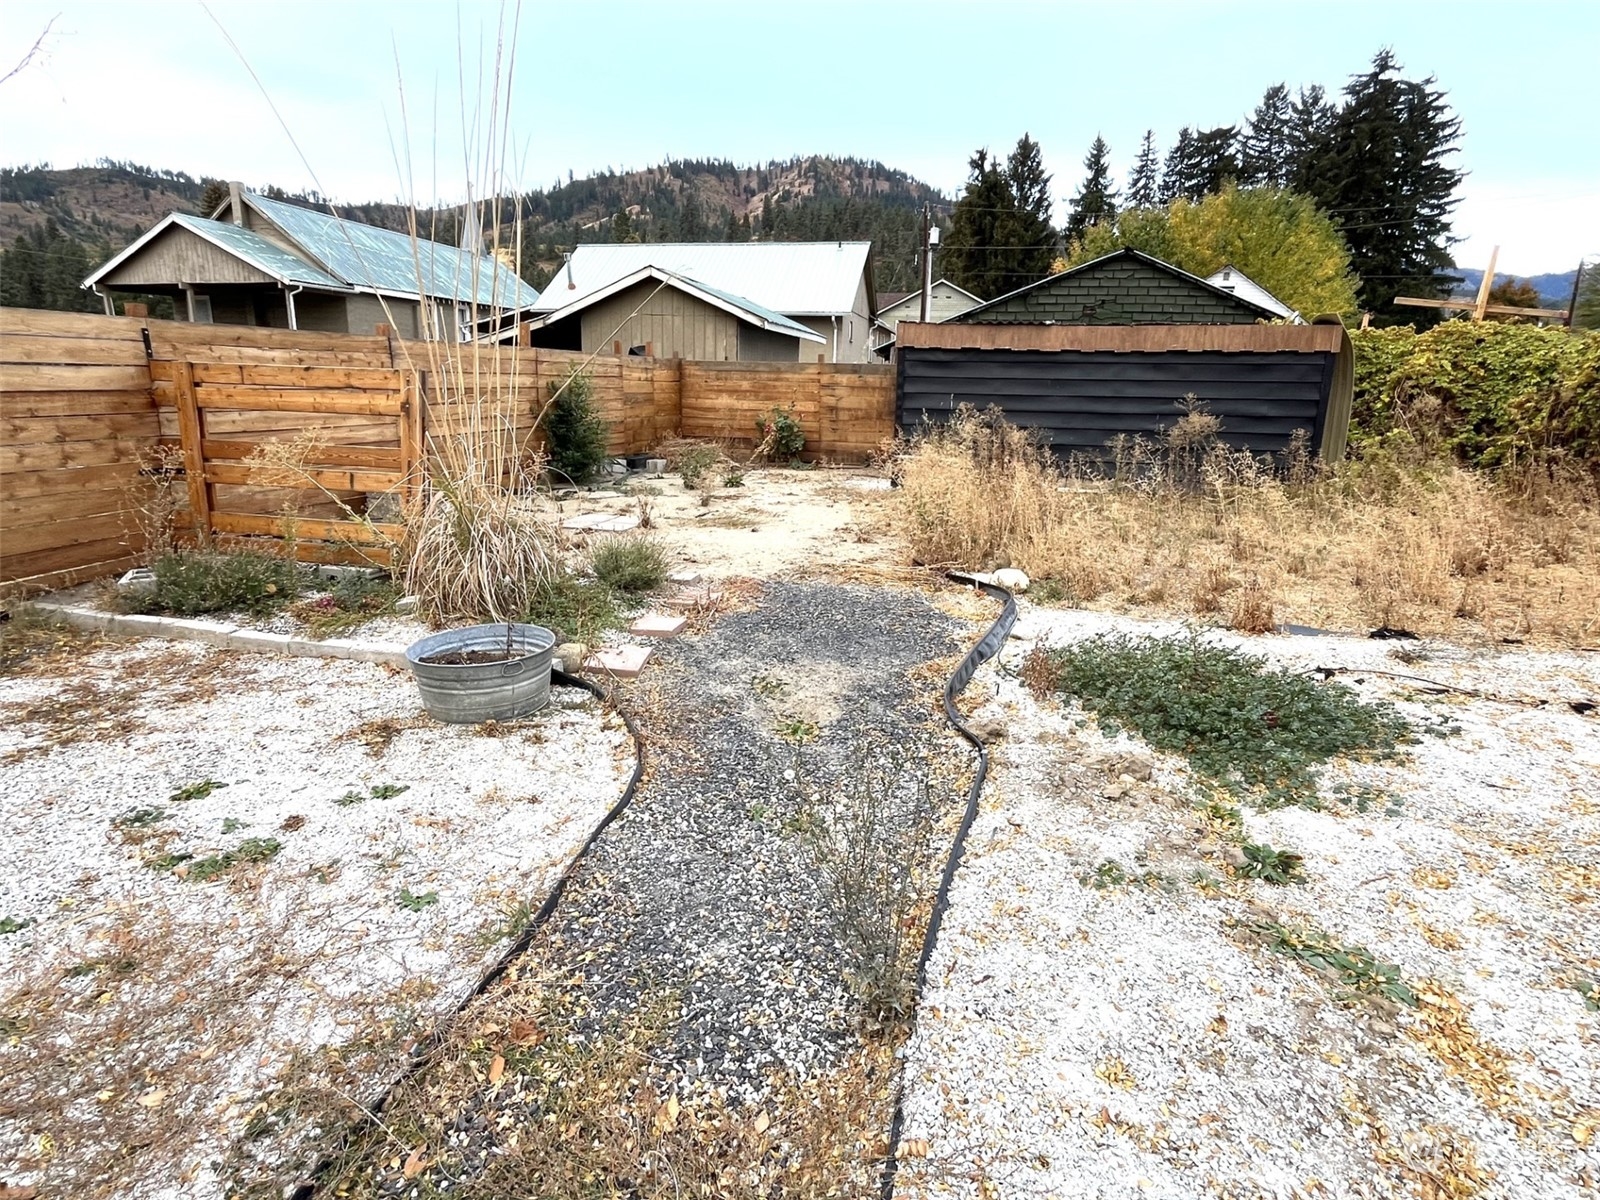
(1393, 539)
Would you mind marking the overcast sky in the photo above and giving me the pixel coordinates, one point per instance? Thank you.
(917, 86)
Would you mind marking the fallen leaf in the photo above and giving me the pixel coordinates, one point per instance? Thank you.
(762, 1121)
(526, 1033)
(497, 1068)
(153, 1099)
(915, 1148)
(414, 1164)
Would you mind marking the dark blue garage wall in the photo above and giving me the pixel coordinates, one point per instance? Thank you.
(1079, 401)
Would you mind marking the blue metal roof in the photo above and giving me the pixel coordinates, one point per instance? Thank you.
(258, 252)
(776, 320)
(374, 259)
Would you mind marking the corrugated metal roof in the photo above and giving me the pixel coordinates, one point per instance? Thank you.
(773, 320)
(811, 279)
(258, 252)
(382, 260)
(1231, 279)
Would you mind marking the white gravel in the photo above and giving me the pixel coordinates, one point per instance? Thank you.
(1130, 1041)
(232, 986)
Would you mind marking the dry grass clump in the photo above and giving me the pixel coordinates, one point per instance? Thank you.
(34, 642)
(1188, 523)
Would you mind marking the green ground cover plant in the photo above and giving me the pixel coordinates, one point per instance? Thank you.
(576, 610)
(1355, 969)
(194, 582)
(629, 564)
(1259, 732)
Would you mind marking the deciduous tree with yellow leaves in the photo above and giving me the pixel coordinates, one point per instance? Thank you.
(1276, 237)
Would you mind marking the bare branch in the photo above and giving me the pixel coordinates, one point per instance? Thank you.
(32, 50)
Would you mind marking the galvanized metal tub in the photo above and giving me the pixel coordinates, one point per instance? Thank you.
(467, 693)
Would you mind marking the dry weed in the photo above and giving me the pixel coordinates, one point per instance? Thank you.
(1412, 543)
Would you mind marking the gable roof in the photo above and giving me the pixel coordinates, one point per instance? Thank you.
(381, 260)
(800, 279)
(1092, 264)
(888, 300)
(264, 256)
(746, 310)
(1230, 279)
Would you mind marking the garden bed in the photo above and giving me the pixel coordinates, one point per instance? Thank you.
(1122, 1004)
(238, 888)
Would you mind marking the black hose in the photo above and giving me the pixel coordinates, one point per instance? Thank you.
(516, 950)
(987, 647)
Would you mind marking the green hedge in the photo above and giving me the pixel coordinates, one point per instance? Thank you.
(1490, 393)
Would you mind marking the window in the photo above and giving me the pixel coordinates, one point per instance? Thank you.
(202, 310)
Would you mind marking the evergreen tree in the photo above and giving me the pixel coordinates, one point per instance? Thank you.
(973, 257)
(1586, 313)
(1266, 149)
(1177, 171)
(691, 221)
(1216, 161)
(1096, 201)
(1381, 172)
(622, 226)
(1029, 229)
(1310, 117)
(213, 196)
(45, 268)
(1144, 185)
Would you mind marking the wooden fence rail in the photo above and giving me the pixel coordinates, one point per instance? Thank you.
(85, 401)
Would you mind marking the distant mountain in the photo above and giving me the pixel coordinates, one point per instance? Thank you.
(1555, 291)
(104, 207)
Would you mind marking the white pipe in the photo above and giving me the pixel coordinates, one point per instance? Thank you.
(105, 300)
(835, 337)
(188, 297)
(288, 302)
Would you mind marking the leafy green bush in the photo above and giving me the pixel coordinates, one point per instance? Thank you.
(697, 463)
(577, 433)
(779, 435)
(1489, 393)
(630, 564)
(349, 604)
(189, 583)
(1251, 728)
(576, 610)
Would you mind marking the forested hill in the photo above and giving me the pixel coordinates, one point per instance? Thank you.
(55, 225)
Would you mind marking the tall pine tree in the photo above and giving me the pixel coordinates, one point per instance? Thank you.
(974, 256)
(1096, 201)
(1381, 171)
(1177, 171)
(1028, 228)
(1266, 148)
(1310, 117)
(1144, 185)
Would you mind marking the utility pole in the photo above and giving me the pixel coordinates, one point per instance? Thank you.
(928, 237)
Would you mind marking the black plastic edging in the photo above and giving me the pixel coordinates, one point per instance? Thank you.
(988, 646)
(518, 948)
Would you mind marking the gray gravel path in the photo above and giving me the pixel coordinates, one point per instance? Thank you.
(701, 888)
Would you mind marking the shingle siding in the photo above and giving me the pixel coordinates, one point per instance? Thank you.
(1120, 292)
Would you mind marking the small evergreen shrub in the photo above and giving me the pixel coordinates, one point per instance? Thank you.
(575, 430)
(630, 564)
(189, 583)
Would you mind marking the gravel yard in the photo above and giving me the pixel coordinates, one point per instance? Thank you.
(237, 887)
(1105, 1015)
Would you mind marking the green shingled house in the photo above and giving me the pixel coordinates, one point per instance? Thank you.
(1126, 287)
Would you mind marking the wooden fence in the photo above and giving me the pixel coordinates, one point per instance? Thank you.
(86, 400)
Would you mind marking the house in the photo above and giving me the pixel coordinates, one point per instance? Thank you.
(259, 261)
(1127, 287)
(945, 301)
(765, 301)
(657, 312)
(1231, 279)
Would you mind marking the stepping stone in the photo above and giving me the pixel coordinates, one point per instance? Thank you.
(684, 578)
(620, 662)
(601, 523)
(691, 598)
(658, 625)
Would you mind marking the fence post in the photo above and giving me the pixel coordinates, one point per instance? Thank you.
(191, 431)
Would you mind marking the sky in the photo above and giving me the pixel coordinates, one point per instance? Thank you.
(351, 92)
